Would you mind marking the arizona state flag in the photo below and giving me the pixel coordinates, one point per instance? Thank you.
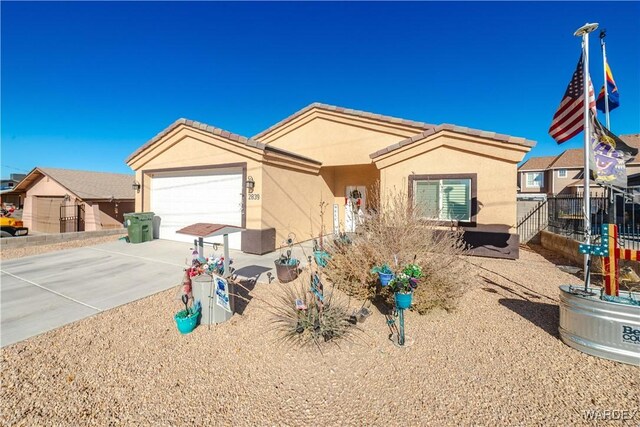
(612, 89)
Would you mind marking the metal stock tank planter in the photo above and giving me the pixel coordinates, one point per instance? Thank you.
(598, 321)
(601, 328)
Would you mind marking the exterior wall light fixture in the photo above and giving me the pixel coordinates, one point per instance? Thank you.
(136, 186)
(251, 184)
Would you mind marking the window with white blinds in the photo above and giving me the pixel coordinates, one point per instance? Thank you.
(535, 179)
(443, 199)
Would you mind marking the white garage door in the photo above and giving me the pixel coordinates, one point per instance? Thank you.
(182, 199)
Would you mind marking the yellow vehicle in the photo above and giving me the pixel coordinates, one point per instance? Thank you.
(10, 227)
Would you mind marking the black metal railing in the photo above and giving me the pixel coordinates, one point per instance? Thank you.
(566, 217)
(533, 222)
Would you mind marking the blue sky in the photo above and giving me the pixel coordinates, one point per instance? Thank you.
(85, 84)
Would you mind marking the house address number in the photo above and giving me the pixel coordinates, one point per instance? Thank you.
(253, 196)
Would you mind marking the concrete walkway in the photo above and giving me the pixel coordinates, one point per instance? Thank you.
(43, 292)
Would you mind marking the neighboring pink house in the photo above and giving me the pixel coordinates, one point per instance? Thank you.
(63, 200)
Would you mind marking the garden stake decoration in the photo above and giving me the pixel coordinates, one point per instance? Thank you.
(321, 256)
(403, 284)
(185, 301)
(610, 252)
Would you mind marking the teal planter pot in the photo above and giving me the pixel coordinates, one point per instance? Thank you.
(385, 278)
(403, 301)
(322, 258)
(186, 322)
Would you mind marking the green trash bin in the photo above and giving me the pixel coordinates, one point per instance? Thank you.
(134, 227)
(146, 219)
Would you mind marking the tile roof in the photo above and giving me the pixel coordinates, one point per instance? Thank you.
(87, 185)
(572, 158)
(457, 129)
(537, 163)
(234, 137)
(632, 139)
(358, 113)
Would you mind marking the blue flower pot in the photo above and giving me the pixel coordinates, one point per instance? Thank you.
(385, 278)
(403, 301)
(188, 323)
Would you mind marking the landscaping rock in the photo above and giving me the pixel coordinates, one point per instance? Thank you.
(497, 360)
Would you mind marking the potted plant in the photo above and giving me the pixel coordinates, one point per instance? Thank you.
(404, 283)
(187, 319)
(286, 265)
(384, 273)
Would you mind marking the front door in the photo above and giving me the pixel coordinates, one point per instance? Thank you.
(355, 203)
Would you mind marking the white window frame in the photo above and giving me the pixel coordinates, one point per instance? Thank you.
(562, 173)
(441, 186)
(533, 184)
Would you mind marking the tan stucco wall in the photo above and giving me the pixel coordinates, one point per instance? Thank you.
(95, 219)
(563, 245)
(560, 185)
(92, 218)
(291, 203)
(187, 148)
(336, 139)
(495, 166)
(343, 176)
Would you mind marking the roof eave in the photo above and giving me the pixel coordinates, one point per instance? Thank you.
(455, 129)
(233, 137)
(348, 111)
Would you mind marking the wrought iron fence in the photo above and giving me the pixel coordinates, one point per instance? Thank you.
(566, 217)
(71, 218)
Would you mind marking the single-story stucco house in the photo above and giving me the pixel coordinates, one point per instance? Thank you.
(64, 200)
(273, 183)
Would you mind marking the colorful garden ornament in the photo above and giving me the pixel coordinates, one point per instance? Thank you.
(610, 252)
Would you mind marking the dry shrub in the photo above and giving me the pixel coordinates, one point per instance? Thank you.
(395, 233)
(311, 325)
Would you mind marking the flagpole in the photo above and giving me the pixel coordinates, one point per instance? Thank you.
(603, 34)
(584, 32)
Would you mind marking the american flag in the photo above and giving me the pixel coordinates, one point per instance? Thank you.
(568, 121)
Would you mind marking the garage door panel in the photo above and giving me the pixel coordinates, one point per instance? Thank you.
(184, 200)
(47, 214)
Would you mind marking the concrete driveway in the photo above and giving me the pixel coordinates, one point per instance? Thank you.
(43, 292)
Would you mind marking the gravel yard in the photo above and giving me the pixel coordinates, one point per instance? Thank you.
(497, 360)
